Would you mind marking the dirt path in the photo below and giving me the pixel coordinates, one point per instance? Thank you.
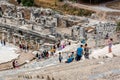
(102, 12)
(95, 8)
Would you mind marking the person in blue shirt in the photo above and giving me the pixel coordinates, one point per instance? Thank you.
(69, 60)
(79, 53)
(72, 56)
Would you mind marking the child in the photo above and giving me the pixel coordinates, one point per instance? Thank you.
(110, 42)
(60, 57)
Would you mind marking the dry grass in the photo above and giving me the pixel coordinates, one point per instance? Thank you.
(46, 2)
(114, 5)
(60, 7)
(13, 1)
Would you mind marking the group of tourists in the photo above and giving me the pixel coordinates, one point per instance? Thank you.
(43, 55)
(83, 52)
(70, 57)
(24, 47)
(56, 47)
(62, 44)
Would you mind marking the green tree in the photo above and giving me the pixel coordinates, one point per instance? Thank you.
(61, 0)
(28, 2)
(118, 27)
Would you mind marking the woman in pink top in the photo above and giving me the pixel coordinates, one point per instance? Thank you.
(110, 42)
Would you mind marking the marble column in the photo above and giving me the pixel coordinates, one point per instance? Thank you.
(3, 37)
(14, 42)
(8, 37)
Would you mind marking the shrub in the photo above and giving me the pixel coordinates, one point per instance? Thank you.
(118, 26)
(60, 0)
(28, 2)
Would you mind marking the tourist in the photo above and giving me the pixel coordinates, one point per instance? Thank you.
(23, 46)
(4, 42)
(63, 46)
(69, 60)
(107, 36)
(86, 51)
(79, 53)
(72, 56)
(13, 64)
(110, 42)
(58, 44)
(47, 54)
(32, 27)
(83, 41)
(27, 47)
(20, 46)
(42, 55)
(44, 21)
(39, 56)
(52, 51)
(36, 55)
(69, 43)
(16, 64)
(54, 47)
(1, 42)
(60, 57)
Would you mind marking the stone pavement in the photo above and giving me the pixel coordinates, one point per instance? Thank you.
(82, 70)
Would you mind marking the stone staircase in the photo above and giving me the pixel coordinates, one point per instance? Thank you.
(32, 77)
(82, 70)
